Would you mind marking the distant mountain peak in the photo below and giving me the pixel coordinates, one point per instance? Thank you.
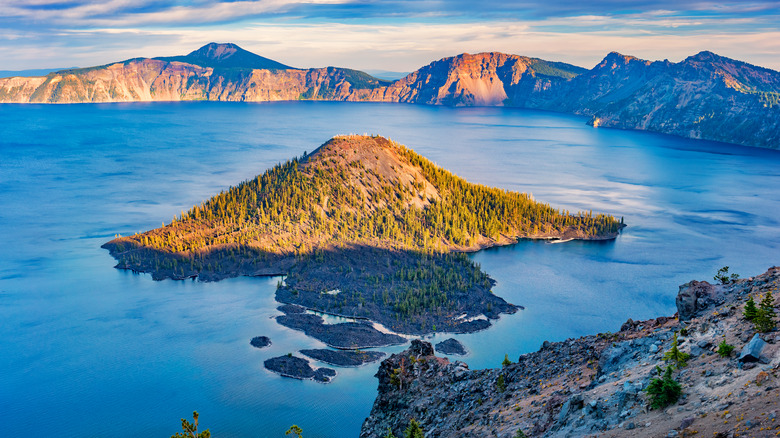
(227, 55)
(619, 58)
(217, 51)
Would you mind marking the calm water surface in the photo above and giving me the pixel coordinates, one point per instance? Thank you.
(90, 351)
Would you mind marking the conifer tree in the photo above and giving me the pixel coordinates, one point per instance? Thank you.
(677, 357)
(765, 317)
(506, 361)
(414, 430)
(663, 391)
(190, 430)
(750, 311)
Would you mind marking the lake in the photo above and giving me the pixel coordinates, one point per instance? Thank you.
(91, 351)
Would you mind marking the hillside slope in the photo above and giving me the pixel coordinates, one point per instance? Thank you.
(596, 385)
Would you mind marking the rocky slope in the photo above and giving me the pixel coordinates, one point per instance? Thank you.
(594, 386)
(705, 96)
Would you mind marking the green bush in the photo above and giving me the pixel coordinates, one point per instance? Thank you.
(724, 349)
(663, 391)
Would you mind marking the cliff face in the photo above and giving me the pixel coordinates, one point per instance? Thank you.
(705, 96)
(595, 385)
(485, 79)
(158, 80)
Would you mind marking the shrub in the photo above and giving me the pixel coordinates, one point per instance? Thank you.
(663, 391)
(506, 360)
(724, 349)
(295, 429)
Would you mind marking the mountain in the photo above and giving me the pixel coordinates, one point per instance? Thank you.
(368, 218)
(227, 56)
(485, 79)
(214, 72)
(601, 385)
(705, 96)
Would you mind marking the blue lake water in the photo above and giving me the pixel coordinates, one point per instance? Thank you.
(90, 351)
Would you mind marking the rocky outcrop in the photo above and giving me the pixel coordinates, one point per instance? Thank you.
(694, 297)
(595, 385)
(451, 346)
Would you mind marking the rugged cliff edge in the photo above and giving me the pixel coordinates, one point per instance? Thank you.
(705, 96)
(595, 385)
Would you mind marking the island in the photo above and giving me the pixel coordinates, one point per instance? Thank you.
(364, 228)
(260, 341)
(451, 346)
(298, 368)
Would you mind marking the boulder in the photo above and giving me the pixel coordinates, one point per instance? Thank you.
(751, 352)
(421, 348)
(693, 297)
(451, 346)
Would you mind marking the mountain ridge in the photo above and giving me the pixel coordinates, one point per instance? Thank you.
(704, 96)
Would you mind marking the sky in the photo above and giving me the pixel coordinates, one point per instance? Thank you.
(392, 35)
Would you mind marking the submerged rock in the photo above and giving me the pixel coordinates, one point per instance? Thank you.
(451, 346)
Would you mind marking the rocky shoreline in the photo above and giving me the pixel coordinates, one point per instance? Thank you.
(343, 358)
(596, 385)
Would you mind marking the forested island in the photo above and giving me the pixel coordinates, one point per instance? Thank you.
(362, 227)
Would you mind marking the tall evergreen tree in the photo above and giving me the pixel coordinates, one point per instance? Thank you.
(765, 317)
(750, 311)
